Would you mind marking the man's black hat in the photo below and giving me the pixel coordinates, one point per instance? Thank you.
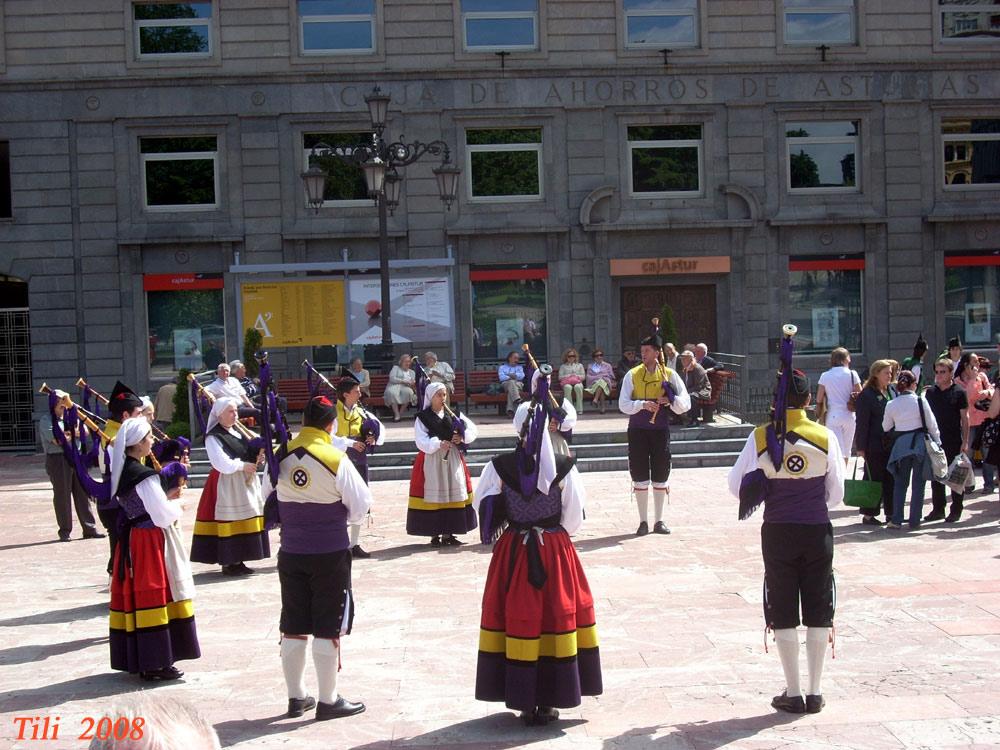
(320, 412)
(123, 399)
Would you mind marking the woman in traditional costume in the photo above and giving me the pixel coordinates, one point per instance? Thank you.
(440, 487)
(152, 618)
(229, 528)
(538, 648)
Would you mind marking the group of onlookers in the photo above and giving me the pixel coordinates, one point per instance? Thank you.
(951, 399)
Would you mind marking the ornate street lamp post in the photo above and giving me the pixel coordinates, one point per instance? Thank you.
(381, 162)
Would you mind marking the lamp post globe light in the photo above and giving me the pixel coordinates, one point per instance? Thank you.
(381, 162)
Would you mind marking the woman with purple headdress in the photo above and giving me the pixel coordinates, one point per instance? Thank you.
(538, 648)
(229, 527)
(440, 504)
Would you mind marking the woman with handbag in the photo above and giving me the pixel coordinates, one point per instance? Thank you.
(571, 376)
(872, 443)
(977, 386)
(600, 380)
(836, 394)
(910, 416)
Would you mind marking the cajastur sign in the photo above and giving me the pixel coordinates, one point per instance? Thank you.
(670, 266)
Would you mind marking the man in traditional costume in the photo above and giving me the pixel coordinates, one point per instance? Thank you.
(357, 432)
(440, 503)
(229, 527)
(795, 467)
(538, 648)
(561, 421)
(319, 494)
(646, 389)
(152, 618)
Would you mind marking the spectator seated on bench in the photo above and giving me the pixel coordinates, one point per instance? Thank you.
(485, 388)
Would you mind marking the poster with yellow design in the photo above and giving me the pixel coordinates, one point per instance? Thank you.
(296, 313)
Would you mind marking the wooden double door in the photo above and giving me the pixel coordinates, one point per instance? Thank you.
(693, 306)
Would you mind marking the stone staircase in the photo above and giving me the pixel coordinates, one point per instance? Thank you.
(715, 445)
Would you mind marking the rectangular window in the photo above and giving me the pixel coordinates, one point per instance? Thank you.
(972, 297)
(186, 322)
(661, 23)
(6, 211)
(969, 20)
(824, 301)
(504, 163)
(971, 151)
(172, 29)
(822, 156)
(337, 26)
(508, 311)
(665, 160)
(493, 25)
(819, 22)
(345, 183)
(180, 173)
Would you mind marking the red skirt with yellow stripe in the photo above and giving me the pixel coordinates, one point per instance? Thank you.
(537, 647)
(226, 542)
(440, 495)
(149, 630)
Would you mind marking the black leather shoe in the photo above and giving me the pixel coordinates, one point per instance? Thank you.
(793, 705)
(936, 515)
(244, 570)
(643, 529)
(358, 553)
(660, 528)
(94, 535)
(162, 675)
(544, 714)
(298, 706)
(435, 541)
(450, 540)
(341, 708)
(871, 521)
(814, 703)
(64, 537)
(953, 517)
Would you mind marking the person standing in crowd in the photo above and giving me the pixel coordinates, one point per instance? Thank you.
(648, 392)
(536, 595)
(511, 376)
(123, 403)
(439, 372)
(600, 379)
(872, 442)
(949, 403)
(364, 378)
(163, 405)
(796, 540)
(355, 430)
(627, 362)
(670, 355)
(571, 378)
(440, 503)
(697, 384)
(977, 386)
(65, 482)
(907, 415)
(836, 386)
(229, 526)
(152, 618)
(319, 495)
(401, 392)
(915, 363)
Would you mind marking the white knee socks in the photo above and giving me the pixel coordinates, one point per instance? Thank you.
(293, 664)
(325, 653)
(659, 496)
(355, 533)
(787, 642)
(816, 640)
(642, 501)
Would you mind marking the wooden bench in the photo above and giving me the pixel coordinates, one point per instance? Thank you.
(296, 391)
(718, 380)
(477, 382)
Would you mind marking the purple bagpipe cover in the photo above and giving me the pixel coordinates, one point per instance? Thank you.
(100, 490)
(269, 413)
(198, 404)
(420, 382)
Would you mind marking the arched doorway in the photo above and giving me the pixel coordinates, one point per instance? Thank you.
(17, 430)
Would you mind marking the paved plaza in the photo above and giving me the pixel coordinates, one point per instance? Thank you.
(682, 637)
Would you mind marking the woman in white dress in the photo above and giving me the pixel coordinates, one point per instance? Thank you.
(402, 389)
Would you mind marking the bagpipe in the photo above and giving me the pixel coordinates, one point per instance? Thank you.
(557, 412)
(370, 426)
(420, 381)
(753, 486)
(661, 368)
(269, 436)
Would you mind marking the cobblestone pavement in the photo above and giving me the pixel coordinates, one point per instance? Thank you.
(682, 643)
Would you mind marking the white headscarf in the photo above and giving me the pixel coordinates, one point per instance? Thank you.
(132, 432)
(429, 392)
(547, 459)
(147, 403)
(220, 405)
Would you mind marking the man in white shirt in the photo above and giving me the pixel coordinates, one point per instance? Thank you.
(225, 386)
(835, 388)
(439, 372)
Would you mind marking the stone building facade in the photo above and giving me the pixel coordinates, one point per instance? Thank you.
(840, 170)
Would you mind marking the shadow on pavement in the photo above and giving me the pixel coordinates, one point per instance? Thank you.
(241, 730)
(206, 577)
(86, 612)
(77, 689)
(41, 651)
(494, 732)
(589, 545)
(704, 735)
(29, 544)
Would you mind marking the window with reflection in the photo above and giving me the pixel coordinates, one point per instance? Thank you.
(665, 160)
(328, 27)
(504, 163)
(969, 20)
(172, 29)
(345, 183)
(824, 302)
(496, 25)
(971, 153)
(820, 22)
(972, 297)
(661, 23)
(180, 173)
(822, 156)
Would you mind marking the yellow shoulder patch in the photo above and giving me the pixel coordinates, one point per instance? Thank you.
(760, 438)
(815, 433)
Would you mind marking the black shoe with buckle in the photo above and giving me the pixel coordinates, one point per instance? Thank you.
(449, 539)
(643, 529)
(814, 703)
(341, 708)
(660, 528)
(358, 553)
(298, 706)
(791, 704)
(162, 675)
